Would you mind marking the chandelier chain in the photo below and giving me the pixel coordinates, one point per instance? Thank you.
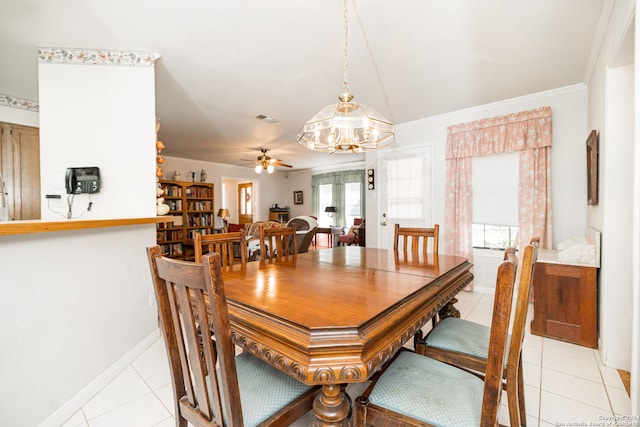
(345, 83)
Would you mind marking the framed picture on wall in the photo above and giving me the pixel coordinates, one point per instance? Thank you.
(592, 168)
(297, 197)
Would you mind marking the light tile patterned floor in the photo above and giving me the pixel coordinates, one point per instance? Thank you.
(563, 383)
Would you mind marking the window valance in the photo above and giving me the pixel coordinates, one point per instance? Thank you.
(524, 130)
(342, 177)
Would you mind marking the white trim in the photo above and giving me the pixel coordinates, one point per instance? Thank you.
(74, 404)
(598, 39)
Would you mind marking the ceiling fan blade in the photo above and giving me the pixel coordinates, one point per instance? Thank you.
(279, 163)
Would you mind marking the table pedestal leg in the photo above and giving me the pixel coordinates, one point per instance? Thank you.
(331, 407)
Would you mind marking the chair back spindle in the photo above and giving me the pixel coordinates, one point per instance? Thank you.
(415, 240)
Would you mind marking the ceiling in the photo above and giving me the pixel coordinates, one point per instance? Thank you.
(222, 63)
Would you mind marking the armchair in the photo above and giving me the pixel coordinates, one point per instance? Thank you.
(306, 228)
(356, 234)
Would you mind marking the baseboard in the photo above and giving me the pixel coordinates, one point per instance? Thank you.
(79, 400)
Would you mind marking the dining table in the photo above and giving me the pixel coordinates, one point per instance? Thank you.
(334, 316)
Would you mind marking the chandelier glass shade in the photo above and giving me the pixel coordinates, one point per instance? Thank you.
(346, 127)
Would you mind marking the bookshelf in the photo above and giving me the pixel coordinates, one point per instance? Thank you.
(191, 206)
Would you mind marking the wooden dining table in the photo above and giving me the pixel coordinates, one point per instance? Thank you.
(335, 316)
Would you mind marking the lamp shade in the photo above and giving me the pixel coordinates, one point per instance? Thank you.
(223, 213)
(330, 209)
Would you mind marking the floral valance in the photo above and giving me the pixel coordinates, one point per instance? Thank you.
(524, 130)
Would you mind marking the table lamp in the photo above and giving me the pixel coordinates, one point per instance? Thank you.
(224, 214)
(330, 210)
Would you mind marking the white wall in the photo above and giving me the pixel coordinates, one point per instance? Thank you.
(110, 125)
(75, 303)
(19, 116)
(611, 112)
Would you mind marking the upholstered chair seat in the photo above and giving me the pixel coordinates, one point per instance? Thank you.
(447, 396)
(264, 390)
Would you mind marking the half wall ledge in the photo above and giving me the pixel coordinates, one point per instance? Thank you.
(40, 226)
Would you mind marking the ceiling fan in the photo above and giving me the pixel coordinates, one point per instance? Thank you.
(266, 163)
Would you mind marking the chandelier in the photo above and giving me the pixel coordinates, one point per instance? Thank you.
(346, 127)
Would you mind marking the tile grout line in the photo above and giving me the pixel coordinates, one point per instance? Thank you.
(154, 392)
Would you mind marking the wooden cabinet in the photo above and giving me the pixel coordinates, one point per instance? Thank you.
(565, 303)
(191, 204)
(20, 170)
(280, 216)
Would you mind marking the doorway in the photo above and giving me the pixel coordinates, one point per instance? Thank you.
(245, 203)
(240, 196)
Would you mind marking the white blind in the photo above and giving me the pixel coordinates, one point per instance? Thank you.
(405, 193)
(495, 189)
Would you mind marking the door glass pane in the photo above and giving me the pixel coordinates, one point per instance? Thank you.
(248, 201)
(405, 194)
(243, 195)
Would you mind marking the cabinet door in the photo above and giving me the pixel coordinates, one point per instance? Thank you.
(20, 154)
(565, 304)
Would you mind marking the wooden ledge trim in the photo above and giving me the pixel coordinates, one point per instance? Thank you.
(44, 226)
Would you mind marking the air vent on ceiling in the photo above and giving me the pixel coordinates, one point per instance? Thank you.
(267, 119)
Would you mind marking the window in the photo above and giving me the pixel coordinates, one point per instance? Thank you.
(326, 199)
(495, 200)
(352, 202)
(344, 190)
(493, 236)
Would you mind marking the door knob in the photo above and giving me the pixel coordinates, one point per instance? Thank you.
(383, 223)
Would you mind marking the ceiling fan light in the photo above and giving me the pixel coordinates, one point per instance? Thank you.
(258, 169)
(270, 168)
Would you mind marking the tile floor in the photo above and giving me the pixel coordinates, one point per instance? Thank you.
(563, 383)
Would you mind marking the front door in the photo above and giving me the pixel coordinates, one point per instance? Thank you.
(245, 203)
(405, 196)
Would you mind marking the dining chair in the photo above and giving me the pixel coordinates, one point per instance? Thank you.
(228, 245)
(414, 239)
(413, 243)
(278, 244)
(211, 385)
(415, 390)
(465, 344)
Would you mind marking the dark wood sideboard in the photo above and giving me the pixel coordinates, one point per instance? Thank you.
(565, 302)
